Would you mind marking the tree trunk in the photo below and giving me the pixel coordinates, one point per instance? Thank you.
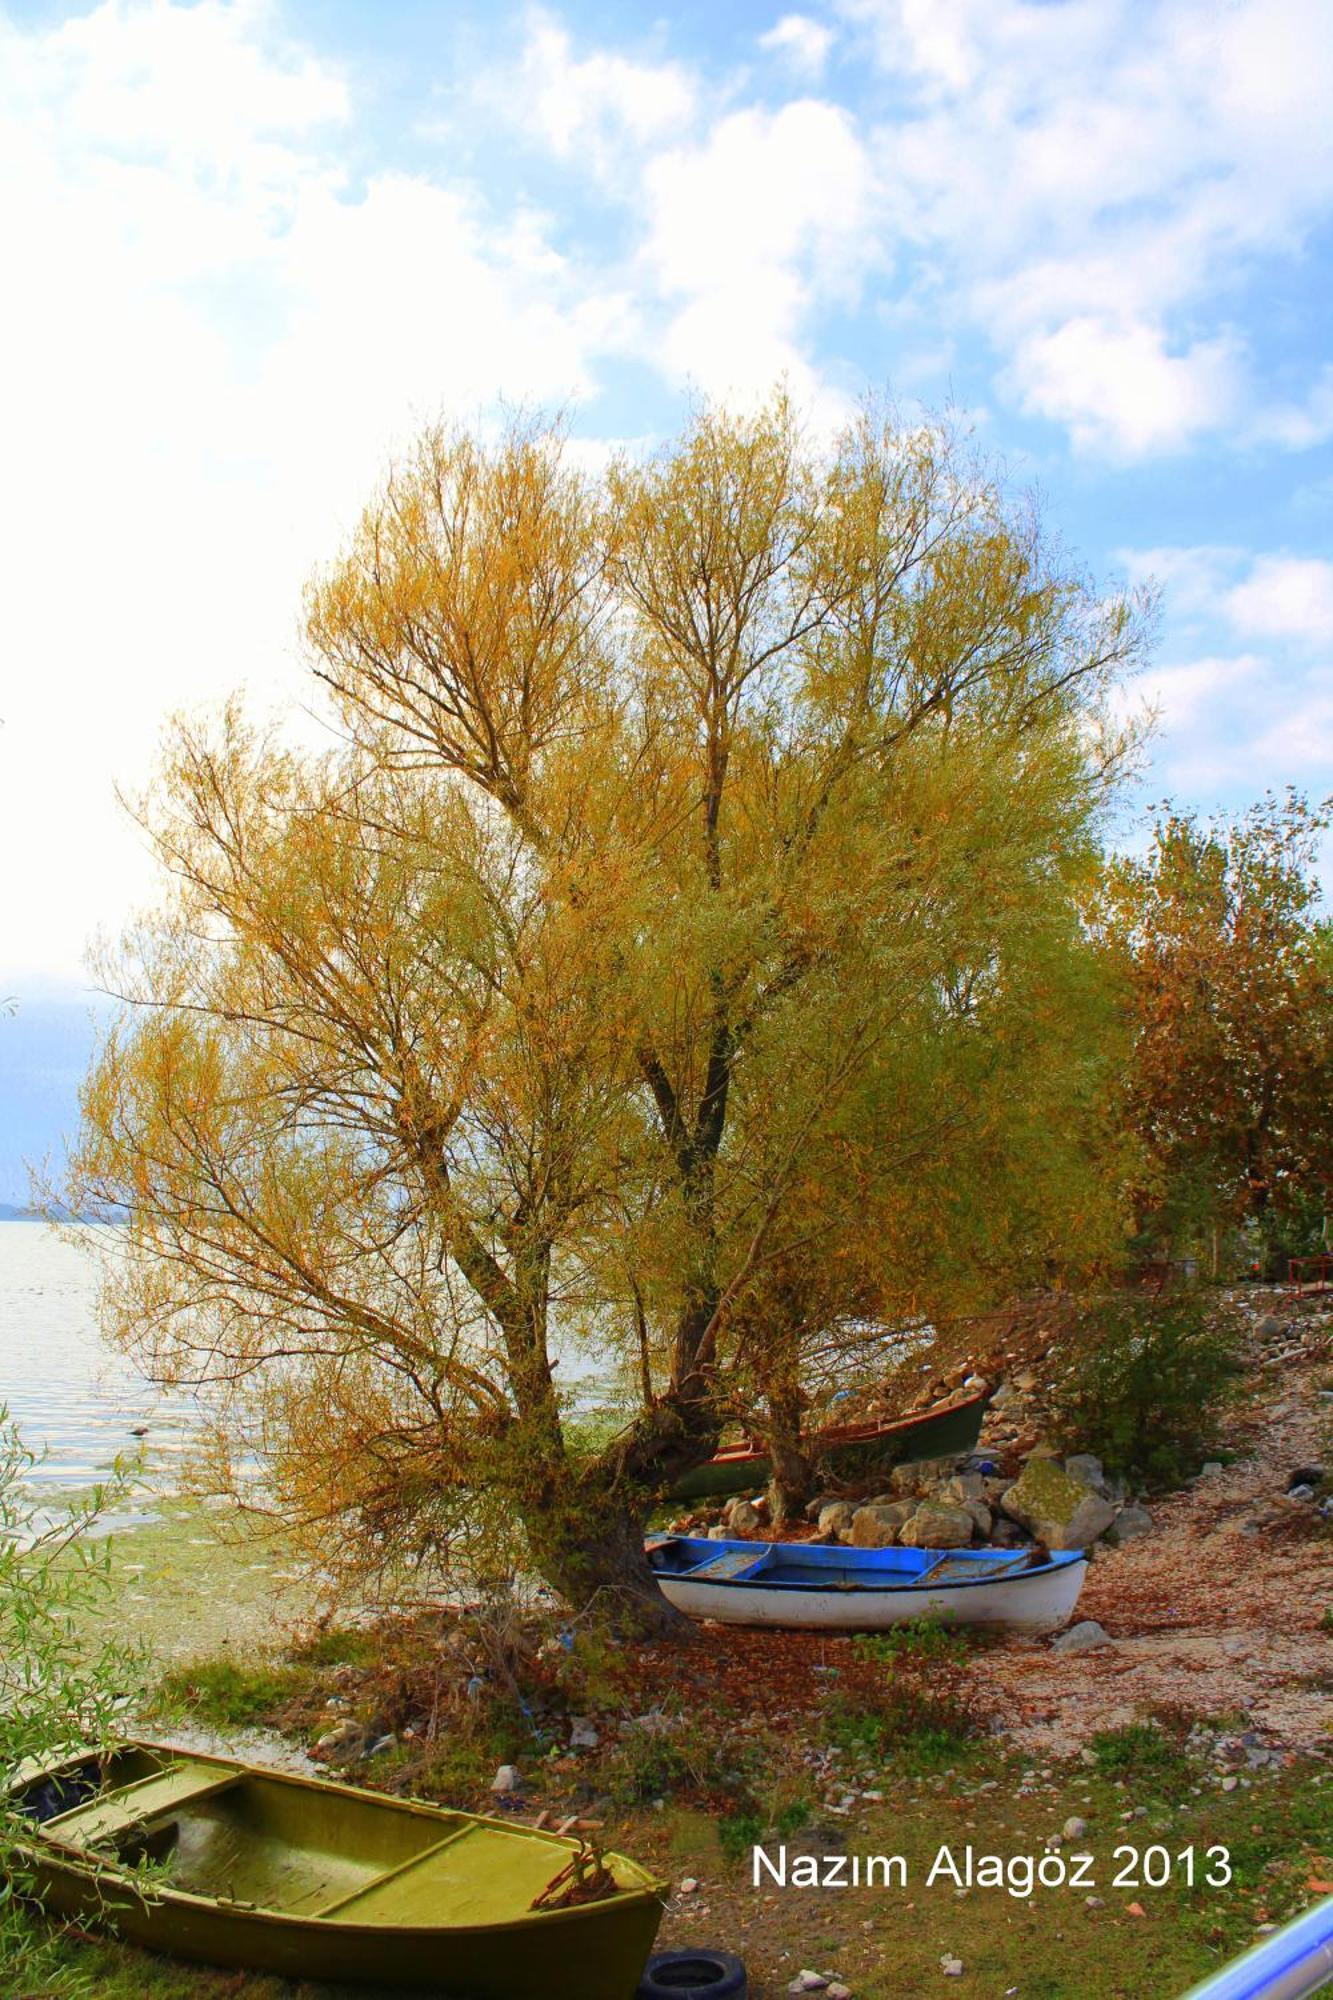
(588, 1546)
(790, 1482)
(793, 1474)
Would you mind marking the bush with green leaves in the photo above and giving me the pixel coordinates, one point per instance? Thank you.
(60, 1685)
(1146, 1386)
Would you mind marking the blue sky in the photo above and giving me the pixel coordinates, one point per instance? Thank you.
(249, 246)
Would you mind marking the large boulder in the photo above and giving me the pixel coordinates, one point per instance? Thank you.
(834, 1516)
(922, 1476)
(1058, 1510)
(934, 1526)
(877, 1527)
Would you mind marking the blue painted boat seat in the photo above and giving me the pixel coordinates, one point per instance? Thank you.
(732, 1563)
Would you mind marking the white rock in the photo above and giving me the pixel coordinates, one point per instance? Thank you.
(507, 1779)
(690, 1886)
(952, 1968)
(582, 1733)
(1081, 1638)
(1074, 1827)
(808, 1982)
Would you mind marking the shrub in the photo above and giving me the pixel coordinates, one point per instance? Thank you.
(1146, 1387)
(59, 1686)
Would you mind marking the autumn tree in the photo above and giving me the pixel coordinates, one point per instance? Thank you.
(1226, 962)
(535, 1017)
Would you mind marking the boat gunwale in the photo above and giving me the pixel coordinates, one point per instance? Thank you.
(1060, 1559)
(836, 1436)
(93, 1867)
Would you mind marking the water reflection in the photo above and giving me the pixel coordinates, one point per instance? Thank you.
(78, 1405)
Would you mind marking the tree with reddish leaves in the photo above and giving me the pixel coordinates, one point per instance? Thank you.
(1228, 968)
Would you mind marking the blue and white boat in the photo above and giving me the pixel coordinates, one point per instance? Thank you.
(829, 1587)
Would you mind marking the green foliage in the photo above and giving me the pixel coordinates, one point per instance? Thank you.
(56, 1688)
(224, 1695)
(920, 1727)
(338, 1647)
(919, 1641)
(1147, 1386)
(738, 1833)
(1144, 1754)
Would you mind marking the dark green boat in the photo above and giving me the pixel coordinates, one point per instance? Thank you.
(214, 1861)
(849, 1451)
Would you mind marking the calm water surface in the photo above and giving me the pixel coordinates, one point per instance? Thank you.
(76, 1401)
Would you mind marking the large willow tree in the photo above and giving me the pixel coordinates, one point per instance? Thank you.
(681, 820)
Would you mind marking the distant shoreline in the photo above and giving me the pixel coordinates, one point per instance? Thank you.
(9, 1212)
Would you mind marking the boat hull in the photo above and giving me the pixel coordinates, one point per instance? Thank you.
(578, 1955)
(1005, 1593)
(848, 1453)
(393, 1911)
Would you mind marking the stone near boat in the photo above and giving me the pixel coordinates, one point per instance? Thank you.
(833, 1517)
(964, 1486)
(1132, 1521)
(934, 1526)
(743, 1517)
(1060, 1510)
(878, 1527)
(343, 1743)
(1084, 1637)
(912, 1481)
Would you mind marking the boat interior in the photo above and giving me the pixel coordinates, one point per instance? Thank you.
(826, 1566)
(267, 1844)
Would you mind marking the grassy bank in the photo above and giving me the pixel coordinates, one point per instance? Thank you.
(845, 1749)
(1130, 1944)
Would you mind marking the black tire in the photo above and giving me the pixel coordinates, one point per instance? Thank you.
(693, 1975)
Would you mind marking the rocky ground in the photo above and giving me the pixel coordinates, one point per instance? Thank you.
(1215, 1599)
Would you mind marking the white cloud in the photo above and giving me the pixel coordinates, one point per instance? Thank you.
(800, 41)
(596, 104)
(210, 344)
(1288, 597)
(1119, 390)
(746, 228)
(1082, 180)
(1184, 695)
(1298, 426)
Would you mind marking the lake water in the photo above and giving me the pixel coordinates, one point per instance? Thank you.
(77, 1402)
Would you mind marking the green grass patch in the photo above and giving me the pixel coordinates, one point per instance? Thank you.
(1143, 1754)
(223, 1695)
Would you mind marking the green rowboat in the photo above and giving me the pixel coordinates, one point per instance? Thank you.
(223, 1864)
(849, 1451)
